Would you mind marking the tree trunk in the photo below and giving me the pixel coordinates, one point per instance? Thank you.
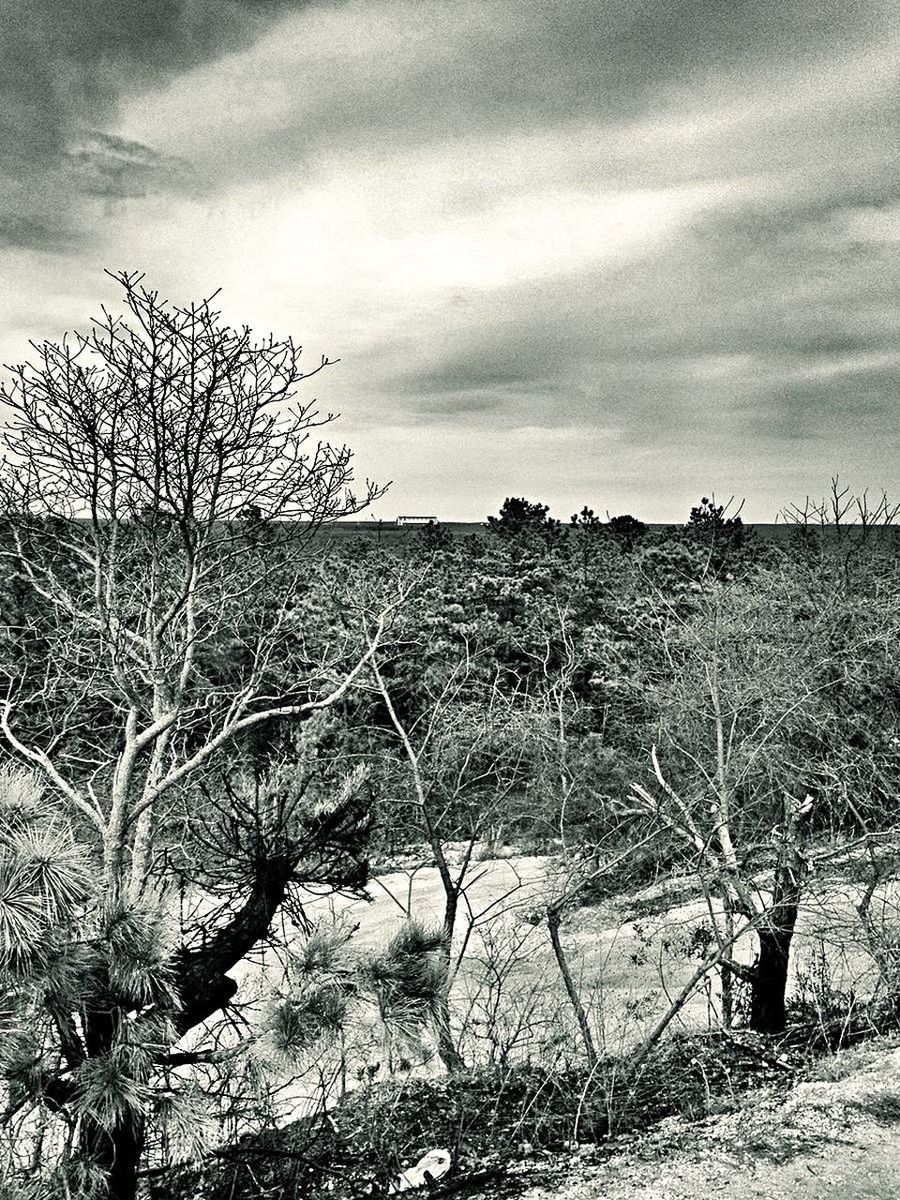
(446, 1047)
(117, 1152)
(584, 1027)
(770, 975)
(770, 972)
(204, 988)
(726, 972)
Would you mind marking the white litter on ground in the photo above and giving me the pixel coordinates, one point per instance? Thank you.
(434, 1165)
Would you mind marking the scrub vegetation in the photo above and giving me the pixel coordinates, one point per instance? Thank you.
(628, 794)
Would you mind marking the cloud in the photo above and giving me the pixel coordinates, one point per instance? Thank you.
(820, 404)
(720, 344)
(101, 165)
(658, 244)
(367, 77)
(65, 69)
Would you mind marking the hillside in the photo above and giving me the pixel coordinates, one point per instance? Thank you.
(834, 1136)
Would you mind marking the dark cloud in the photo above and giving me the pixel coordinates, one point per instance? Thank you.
(440, 72)
(823, 409)
(499, 363)
(65, 67)
(468, 404)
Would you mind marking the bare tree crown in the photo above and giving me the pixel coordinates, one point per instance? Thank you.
(171, 411)
(159, 487)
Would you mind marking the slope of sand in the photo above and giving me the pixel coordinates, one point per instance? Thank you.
(836, 1137)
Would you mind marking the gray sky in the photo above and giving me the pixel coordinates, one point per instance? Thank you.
(606, 252)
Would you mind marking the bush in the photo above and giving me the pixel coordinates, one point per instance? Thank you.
(486, 1119)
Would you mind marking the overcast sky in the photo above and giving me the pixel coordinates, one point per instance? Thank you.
(608, 252)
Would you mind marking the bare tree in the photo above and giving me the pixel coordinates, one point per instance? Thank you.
(844, 528)
(745, 694)
(466, 754)
(159, 490)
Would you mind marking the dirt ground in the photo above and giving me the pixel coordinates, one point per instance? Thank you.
(628, 957)
(835, 1137)
(627, 966)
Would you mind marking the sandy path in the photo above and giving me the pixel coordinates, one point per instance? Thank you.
(495, 887)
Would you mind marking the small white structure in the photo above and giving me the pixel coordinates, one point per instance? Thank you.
(416, 520)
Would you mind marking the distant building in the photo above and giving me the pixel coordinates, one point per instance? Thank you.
(416, 520)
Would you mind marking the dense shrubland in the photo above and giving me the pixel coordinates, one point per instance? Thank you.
(211, 715)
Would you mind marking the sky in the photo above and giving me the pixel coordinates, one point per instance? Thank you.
(621, 253)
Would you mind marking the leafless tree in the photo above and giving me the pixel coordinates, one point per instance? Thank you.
(159, 492)
(466, 754)
(742, 680)
(845, 527)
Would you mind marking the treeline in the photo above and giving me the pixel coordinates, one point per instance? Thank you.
(642, 702)
(618, 626)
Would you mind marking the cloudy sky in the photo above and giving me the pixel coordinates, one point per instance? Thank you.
(614, 252)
